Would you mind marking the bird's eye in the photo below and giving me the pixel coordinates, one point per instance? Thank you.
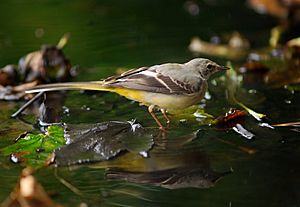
(209, 66)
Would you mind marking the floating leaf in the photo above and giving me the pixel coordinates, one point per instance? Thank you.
(257, 116)
(231, 119)
(189, 114)
(102, 141)
(36, 149)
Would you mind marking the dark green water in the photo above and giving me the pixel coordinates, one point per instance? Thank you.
(106, 35)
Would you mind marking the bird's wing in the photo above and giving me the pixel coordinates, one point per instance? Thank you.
(154, 80)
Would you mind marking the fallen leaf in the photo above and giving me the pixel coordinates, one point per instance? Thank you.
(231, 119)
(35, 150)
(29, 193)
(102, 141)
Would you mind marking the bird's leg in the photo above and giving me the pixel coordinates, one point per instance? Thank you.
(150, 109)
(164, 112)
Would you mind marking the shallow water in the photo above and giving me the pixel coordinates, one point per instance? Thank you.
(106, 35)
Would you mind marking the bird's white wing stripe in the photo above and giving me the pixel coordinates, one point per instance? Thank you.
(148, 73)
(154, 74)
(162, 82)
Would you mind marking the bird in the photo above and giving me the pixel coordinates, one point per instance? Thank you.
(168, 87)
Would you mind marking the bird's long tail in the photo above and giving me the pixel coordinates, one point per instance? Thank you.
(96, 85)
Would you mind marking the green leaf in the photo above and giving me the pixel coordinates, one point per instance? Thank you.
(34, 150)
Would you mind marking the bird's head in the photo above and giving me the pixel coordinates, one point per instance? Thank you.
(205, 67)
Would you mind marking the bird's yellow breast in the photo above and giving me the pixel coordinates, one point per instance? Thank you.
(167, 101)
(135, 95)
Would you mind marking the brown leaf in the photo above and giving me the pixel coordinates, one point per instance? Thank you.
(231, 119)
(29, 193)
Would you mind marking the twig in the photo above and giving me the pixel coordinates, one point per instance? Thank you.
(27, 104)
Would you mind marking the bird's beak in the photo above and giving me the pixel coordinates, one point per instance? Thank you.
(224, 68)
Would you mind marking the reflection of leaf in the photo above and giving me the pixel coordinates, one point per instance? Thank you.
(103, 141)
(36, 149)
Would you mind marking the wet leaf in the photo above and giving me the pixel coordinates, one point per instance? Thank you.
(231, 119)
(102, 141)
(35, 150)
(194, 112)
(29, 193)
(256, 115)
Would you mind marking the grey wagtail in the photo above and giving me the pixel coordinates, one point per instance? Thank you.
(169, 86)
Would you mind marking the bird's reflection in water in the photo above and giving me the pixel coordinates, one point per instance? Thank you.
(181, 177)
(172, 166)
